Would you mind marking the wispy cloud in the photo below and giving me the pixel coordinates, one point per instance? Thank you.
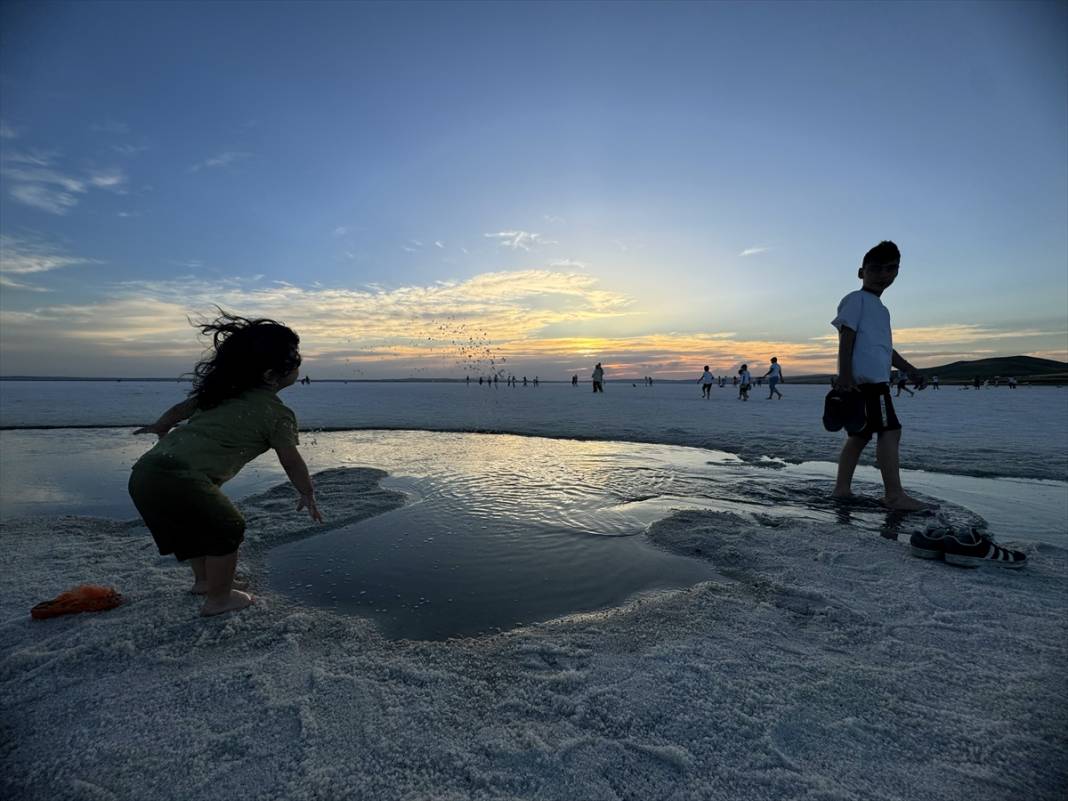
(22, 257)
(553, 219)
(519, 240)
(341, 230)
(45, 198)
(221, 160)
(568, 264)
(754, 251)
(36, 179)
(439, 244)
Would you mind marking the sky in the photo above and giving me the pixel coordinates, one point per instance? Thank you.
(450, 189)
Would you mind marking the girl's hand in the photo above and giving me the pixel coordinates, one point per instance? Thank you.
(308, 502)
(155, 428)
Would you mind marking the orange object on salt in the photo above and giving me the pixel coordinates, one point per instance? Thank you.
(83, 598)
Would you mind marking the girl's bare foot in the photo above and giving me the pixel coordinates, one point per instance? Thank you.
(237, 600)
(905, 503)
(201, 587)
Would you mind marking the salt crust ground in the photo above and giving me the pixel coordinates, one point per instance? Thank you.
(826, 664)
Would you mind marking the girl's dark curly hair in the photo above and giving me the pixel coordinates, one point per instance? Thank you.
(242, 351)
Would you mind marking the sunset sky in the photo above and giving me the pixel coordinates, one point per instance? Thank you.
(420, 188)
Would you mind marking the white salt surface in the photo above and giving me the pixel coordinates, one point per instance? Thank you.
(991, 432)
(823, 663)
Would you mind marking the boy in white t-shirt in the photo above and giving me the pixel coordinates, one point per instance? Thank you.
(865, 356)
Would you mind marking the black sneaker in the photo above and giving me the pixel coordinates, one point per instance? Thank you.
(973, 548)
(930, 544)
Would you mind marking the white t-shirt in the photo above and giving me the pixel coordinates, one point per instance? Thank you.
(745, 379)
(865, 313)
(707, 378)
(775, 372)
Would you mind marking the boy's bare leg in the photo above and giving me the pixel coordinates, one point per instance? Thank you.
(847, 465)
(886, 454)
(221, 596)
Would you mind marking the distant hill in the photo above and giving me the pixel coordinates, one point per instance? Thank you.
(1023, 368)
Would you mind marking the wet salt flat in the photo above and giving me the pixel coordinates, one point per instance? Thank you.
(798, 664)
(501, 530)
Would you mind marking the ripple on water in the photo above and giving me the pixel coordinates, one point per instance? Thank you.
(501, 530)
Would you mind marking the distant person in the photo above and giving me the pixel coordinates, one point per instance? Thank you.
(480, 380)
(774, 376)
(234, 415)
(574, 380)
(744, 382)
(707, 380)
(865, 356)
(902, 385)
(934, 382)
(524, 381)
(467, 379)
(1012, 382)
(978, 382)
(598, 378)
(535, 380)
(495, 380)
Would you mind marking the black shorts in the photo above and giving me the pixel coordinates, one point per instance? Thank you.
(186, 512)
(878, 410)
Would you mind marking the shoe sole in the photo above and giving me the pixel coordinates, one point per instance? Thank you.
(926, 553)
(961, 560)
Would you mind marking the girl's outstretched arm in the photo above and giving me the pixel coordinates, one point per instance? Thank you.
(170, 418)
(293, 463)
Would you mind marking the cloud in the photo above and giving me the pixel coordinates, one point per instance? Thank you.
(552, 218)
(341, 230)
(439, 244)
(36, 181)
(519, 240)
(568, 264)
(507, 307)
(108, 179)
(221, 160)
(42, 197)
(754, 251)
(21, 257)
(7, 131)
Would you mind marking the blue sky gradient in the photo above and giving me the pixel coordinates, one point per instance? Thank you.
(657, 186)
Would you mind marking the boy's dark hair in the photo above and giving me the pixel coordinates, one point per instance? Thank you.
(242, 351)
(883, 253)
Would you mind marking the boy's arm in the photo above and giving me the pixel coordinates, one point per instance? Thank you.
(170, 418)
(901, 363)
(293, 463)
(847, 338)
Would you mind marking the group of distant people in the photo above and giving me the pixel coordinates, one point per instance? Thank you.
(744, 381)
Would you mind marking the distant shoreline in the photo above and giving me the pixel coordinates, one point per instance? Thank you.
(1037, 380)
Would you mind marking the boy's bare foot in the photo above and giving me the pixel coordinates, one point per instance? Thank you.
(201, 587)
(905, 503)
(839, 495)
(237, 600)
